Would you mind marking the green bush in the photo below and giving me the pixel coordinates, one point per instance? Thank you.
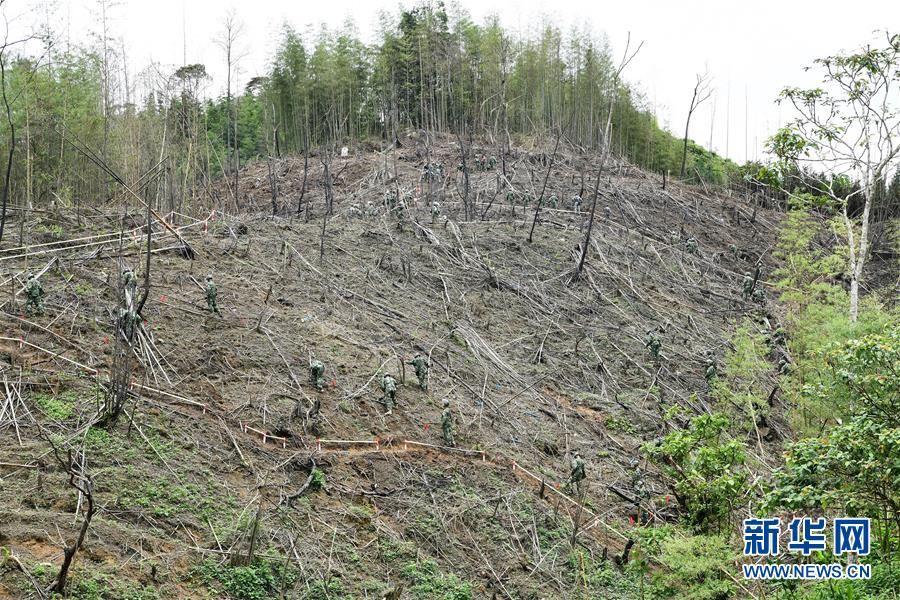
(696, 568)
(429, 584)
(260, 580)
(58, 408)
(706, 468)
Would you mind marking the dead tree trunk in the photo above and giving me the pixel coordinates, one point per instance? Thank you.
(587, 236)
(12, 146)
(83, 483)
(540, 200)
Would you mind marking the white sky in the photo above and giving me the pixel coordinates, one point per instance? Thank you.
(750, 48)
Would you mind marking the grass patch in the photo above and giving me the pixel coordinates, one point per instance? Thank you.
(58, 408)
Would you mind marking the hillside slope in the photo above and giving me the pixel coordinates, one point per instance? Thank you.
(535, 365)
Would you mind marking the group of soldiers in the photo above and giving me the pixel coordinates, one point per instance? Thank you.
(389, 386)
(34, 296)
(433, 172)
(483, 163)
(749, 291)
(654, 345)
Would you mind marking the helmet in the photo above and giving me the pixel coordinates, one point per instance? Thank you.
(446, 402)
(30, 275)
(746, 273)
(209, 276)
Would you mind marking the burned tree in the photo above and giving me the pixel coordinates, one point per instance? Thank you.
(702, 93)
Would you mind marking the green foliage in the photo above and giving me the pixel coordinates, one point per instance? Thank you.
(706, 468)
(167, 498)
(696, 568)
(59, 407)
(393, 551)
(318, 480)
(333, 589)
(258, 581)
(817, 317)
(105, 587)
(745, 381)
(621, 424)
(855, 465)
(598, 579)
(430, 584)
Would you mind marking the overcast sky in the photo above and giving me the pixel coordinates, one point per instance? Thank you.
(751, 49)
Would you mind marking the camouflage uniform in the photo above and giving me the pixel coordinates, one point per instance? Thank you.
(637, 480)
(421, 365)
(712, 368)
(576, 474)
(747, 287)
(691, 245)
(653, 344)
(129, 282)
(759, 296)
(389, 387)
(211, 293)
(576, 203)
(777, 338)
(316, 372)
(447, 424)
(492, 163)
(607, 213)
(34, 296)
(435, 211)
(553, 201)
(734, 251)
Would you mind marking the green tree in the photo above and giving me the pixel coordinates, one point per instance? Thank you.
(706, 469)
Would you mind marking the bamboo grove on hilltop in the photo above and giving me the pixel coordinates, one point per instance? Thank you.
(432, 69)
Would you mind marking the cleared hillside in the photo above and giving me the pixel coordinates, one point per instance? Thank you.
(535, 364)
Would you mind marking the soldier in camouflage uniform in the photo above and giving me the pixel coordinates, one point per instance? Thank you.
(712, 367)
(34, 296)
(576, 203)
(653, 344)
(435, 211)
(691, 245)
(447, 424)
(389, 387)
(316, 374)
(759, 296)
(553, 201)
(637, 480)
(211, 292)
(747, 288)
(421, 365)
(576, 473)
(129, 282)
(607, 213)
(492, 163)
(734, 251)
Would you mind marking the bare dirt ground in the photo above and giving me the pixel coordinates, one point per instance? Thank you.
(535, 365)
